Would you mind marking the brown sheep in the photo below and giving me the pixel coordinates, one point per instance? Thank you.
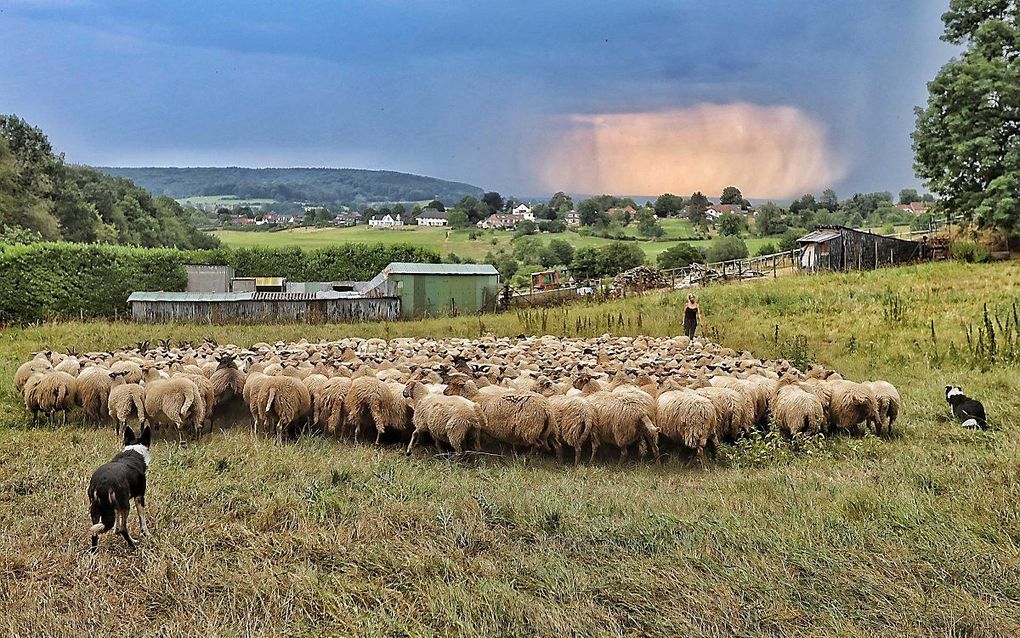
(283, 401)
(373, 401)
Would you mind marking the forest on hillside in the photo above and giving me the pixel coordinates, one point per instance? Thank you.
(42, 197)
(326, 186)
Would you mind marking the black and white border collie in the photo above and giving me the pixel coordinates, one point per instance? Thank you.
(113, 486)
(969, 412)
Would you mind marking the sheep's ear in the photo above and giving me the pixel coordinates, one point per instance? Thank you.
(129, 435)
(146, 437)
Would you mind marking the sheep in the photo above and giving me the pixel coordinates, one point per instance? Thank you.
(252, 386)
(286, 401)
(127, 399)
(315, 383)
(209, 397)
(378, 402)
(50, 392)
(227, 380)
(621, 418)
(70, 365)
(176, 401)
(757, 390)
(329, 403)
(447, 419)
(574, 418)
(687, 417)
(851, 405)
(797, 410)
(39, 363)
(93, 391)
(889, 404)
(734, 411)
(133, 369)
(516, 418)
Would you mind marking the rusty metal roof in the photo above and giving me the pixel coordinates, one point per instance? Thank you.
(219, 297)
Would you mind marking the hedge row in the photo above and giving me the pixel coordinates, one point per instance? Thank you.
(67, 281)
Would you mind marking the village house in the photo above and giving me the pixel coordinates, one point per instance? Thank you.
(572, 218)
(500, 221)
(524, 212)
(914, 208)
(433, 217)
(626, 212)
(385, 221)
(347, 219)
(715, 211)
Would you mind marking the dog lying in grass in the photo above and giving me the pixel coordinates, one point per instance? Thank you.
(113, 486)
(969, 412)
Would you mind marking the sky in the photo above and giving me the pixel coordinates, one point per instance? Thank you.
(641, 97)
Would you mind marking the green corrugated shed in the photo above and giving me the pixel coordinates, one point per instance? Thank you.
(443, 289)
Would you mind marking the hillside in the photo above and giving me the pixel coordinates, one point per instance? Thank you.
(43, 197)
(913, 535)
(349, 186)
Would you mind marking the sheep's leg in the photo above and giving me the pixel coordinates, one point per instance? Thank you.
(414, 442)
(594, 450)
(378, 434)
(623, 453)
(701, 458)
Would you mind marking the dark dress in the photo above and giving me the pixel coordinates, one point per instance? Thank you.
(690, 321)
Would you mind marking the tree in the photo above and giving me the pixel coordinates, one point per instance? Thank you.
(829, 200)
(562, 251)
(436, 204)
(525, 227)
(767, 249)
(458, 219)
(908, 195)
(619, 256)
(680, 255)
(731, 224)
(668, 205)
(585, 264)
(561, 202)
(648, 224)
(789, 239)
(966, 143)
(727, 248)
(769, 220)
(493, 201)
(731, 195)
(696, 208)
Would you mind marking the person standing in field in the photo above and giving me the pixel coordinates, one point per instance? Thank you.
(692, 315)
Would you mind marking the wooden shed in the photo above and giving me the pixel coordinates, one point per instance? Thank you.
(842, 248)
(261, 307)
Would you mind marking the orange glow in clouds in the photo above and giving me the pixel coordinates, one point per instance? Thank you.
(767, 151)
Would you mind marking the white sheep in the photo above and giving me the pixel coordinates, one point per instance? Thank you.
(688, 418)
(447, 419)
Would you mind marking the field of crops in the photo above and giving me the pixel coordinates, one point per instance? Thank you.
(914, 535)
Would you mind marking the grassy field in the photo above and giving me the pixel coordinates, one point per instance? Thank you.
(916, 535)
(447, 240)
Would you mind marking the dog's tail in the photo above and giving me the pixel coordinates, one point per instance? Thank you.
(101, 511)
(98, 528)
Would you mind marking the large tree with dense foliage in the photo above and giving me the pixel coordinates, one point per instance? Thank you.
(967, 141)
(680, 255)
(668, 205)
(731, 195)
(42, 193)
(769, 220)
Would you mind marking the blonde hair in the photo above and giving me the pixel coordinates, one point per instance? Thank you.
(691, 298)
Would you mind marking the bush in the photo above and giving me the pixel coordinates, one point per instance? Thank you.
(767, 249)
(57, 280)
(680, 255)
(969, 252)
(789, 239)
(727, 248)
(62, 280)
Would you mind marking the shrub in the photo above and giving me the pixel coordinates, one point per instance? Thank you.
(680, 255)
(727, 248)
(767, 249)
(969, 252)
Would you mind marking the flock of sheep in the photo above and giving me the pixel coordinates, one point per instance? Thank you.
(538, 393)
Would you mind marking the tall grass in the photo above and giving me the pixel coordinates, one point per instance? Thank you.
(917, 535)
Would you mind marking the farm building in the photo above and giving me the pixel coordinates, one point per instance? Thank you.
(261, 307)
(401, 290)
(440, 288)
(842, 248)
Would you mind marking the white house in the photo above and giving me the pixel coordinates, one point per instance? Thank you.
(433, 217)
(525, 212)
(573, 218)
(385, 221)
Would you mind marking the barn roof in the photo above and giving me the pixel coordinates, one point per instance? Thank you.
(404, 268)
(218, 297)
(818, 236)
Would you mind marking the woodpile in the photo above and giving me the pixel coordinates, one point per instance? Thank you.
(638, 279)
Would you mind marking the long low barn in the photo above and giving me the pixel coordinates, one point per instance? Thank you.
(261, 307)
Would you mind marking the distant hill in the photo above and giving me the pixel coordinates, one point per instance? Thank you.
(313, 185)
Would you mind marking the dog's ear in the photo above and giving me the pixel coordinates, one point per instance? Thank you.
(129, 436)
(146, 437)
